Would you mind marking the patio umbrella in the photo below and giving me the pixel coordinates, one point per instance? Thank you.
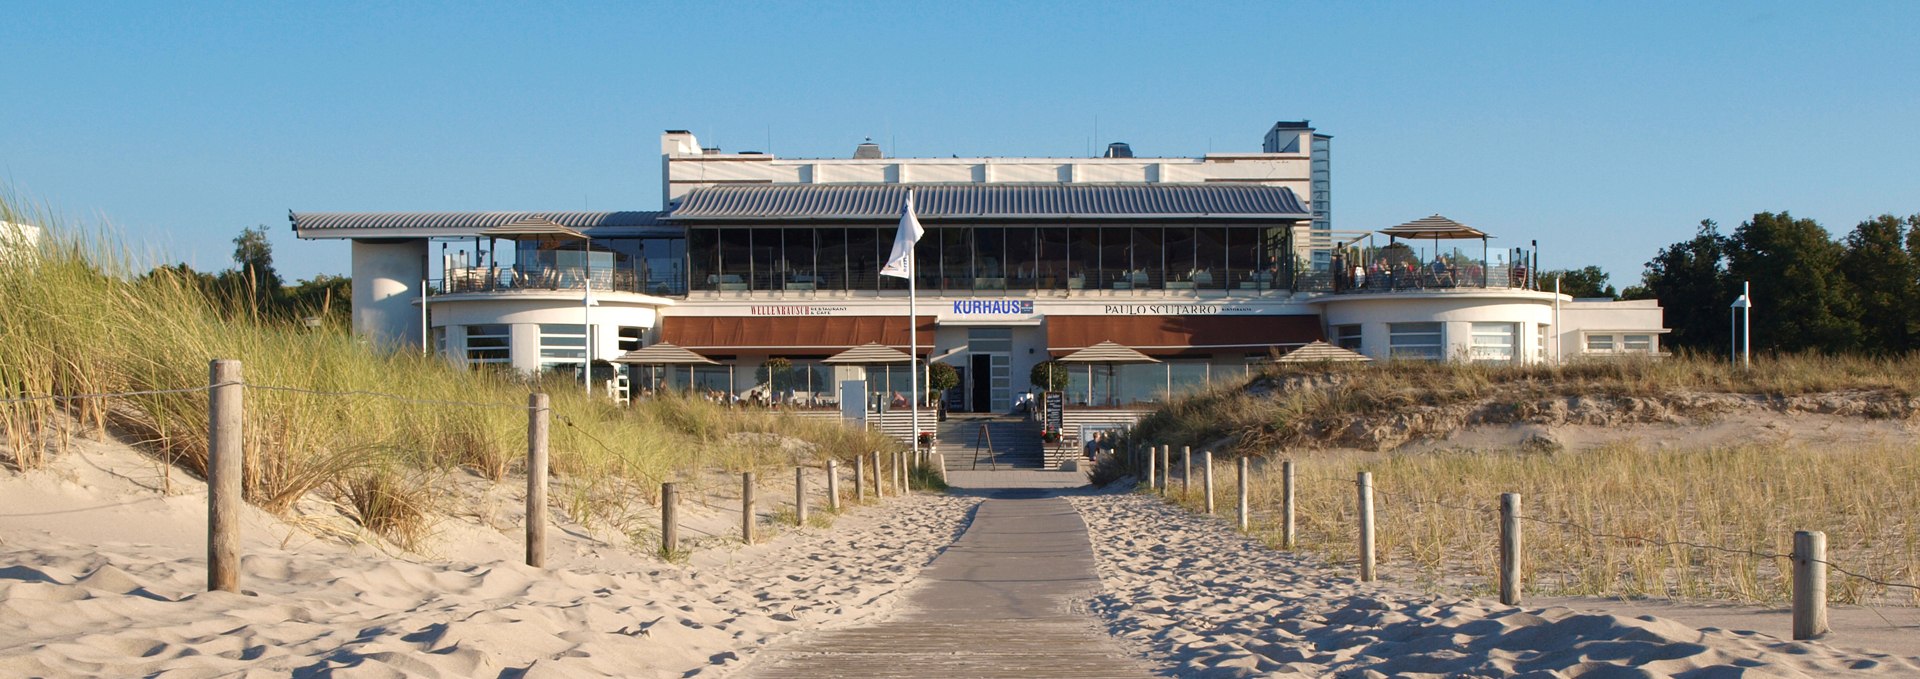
(1436, 228)
(664, 354)
(1321, 352)
(1112, 355)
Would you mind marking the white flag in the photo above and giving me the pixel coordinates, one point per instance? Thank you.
(900, 264)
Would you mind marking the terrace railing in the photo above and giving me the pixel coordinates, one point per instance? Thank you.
(497, 279)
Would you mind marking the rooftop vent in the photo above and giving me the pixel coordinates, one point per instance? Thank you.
(710, 150)
(1119, 149)
(867, 149)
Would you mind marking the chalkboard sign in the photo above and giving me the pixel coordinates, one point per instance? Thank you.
(1055, 411)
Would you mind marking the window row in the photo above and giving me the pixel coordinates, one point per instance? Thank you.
(969, 259)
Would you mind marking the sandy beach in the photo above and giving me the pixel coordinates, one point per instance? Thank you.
(100, 575)
(1188, 591)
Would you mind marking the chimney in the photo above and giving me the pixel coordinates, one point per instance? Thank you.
(679, 143)
(1119, 149)
(867, 150)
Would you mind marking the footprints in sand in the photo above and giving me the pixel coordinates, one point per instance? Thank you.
(1189, 591)
(68, 609)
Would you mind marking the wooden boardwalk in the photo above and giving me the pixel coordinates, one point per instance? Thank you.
(998, 603)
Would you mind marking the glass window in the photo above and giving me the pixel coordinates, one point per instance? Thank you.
(796, 261)
(830, 265)
(766, 258)
(1210, 257)
(863, 258)
(1116, 258)
(735, 268)
(1347, 336)
(1494, 342)
(1186, 376)
(703, 256)
(1243, 259)
(1022, 271)
(1142, 382)
(926, 257)
(563, 347)
(1639, 344)
(488, 343)
(1179, 257)
(1148, 269)
(1600, 343)
(663, 264)
(1416, 341)
(1052, 267)
(714, 380)
(1540, 344)
(1077, 387)
(1083, 254)
(956, 259)
(989, 258)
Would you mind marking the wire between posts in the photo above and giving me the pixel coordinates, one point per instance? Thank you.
(117, 394)
(393, 397)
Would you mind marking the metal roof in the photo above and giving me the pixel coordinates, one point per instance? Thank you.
(993, 201)
(461, 224)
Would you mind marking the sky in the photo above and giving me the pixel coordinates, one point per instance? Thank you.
(1603, 130)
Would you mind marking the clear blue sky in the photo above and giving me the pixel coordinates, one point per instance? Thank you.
(1604, 130)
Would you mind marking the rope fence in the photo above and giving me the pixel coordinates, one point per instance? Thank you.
(1808, 560)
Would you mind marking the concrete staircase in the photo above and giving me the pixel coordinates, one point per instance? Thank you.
(1016, 442)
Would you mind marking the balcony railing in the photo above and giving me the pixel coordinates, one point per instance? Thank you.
(1470, 275)
(495, 279)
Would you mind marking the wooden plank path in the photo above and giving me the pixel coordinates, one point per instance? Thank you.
(998, 603)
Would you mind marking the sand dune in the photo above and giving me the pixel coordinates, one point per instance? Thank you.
(1189, 592)
(102, 577)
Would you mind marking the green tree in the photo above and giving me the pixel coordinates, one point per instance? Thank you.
(1690, 280)
(1584, 282)
(941, 377)
(1880, 265)
(326, 296)
(1801, 299)
(1049, 375)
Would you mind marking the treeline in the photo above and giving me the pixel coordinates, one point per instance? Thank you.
(253, 289)
(1810, 292)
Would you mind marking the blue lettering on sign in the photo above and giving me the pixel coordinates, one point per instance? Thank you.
(968, 307)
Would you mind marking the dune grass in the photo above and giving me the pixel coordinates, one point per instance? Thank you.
(1609, 519)
(81, 318)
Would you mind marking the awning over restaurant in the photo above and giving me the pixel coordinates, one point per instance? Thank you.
(1178, 335)
(790, 335)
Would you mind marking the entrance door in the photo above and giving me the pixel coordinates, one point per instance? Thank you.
(990, 352)
(981, 394)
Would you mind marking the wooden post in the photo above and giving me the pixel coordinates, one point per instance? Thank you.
(906, 479)
(939, 462)
(1286, 505)
(669, 519)
(833, 485)
(1510, 549)
(1365, 483)
(226, 453)
(1186, 470)
(1206, 477)
(879, 491)
(800, 496)
(1166, 469)
(1153, 470)
(1246, 518)
(1809, 584)
(859, 479)
(746, 507)
(538, 421)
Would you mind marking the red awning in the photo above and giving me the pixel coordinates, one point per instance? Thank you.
(1177, 335)
(790, 335)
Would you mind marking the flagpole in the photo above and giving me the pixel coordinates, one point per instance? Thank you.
(913, 336)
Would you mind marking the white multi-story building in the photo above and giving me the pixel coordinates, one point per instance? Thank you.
(1208, 264)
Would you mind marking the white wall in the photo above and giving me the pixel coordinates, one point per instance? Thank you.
(526, 311)
(1456, 312)
(386, 290)
(1577, 319)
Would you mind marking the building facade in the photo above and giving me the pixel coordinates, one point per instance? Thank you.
(1210, 265)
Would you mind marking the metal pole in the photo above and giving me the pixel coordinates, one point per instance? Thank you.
(913, 335)
(1746, 326)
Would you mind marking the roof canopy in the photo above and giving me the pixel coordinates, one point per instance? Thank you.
(1107, 352)
(663, 354)
(883, 202)
(1319, 352)
(468, 224)
(1435, 226)
(870, 354)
